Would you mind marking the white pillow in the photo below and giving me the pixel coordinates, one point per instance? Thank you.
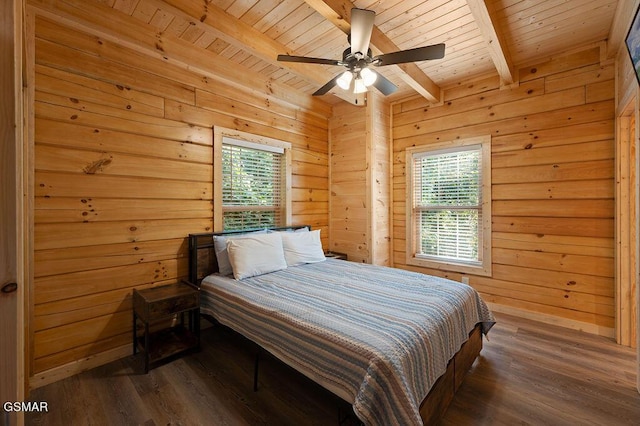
(220, 247)
(302, 247)
(256, 255)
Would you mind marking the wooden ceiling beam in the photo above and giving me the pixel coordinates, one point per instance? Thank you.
(499, 55)
(338, 12)
(243, 36)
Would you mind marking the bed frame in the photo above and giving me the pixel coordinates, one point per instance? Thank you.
(202, 255)
(202, 262)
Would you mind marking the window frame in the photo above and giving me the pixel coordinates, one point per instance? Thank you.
(483, 266)
(219, 134)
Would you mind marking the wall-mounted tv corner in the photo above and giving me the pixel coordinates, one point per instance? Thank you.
(633, 44)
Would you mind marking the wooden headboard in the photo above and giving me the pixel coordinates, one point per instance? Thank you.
(202, 255)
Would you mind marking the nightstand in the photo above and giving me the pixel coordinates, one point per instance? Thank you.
(166, 304)
(334, 255)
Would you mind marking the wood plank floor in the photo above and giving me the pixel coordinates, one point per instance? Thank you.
(527, 373)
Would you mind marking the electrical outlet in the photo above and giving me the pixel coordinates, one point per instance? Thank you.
(464, 279)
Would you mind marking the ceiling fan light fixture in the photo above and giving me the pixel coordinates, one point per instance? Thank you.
(359, 86)
(357, 58)
(344, 81)
(368, 76)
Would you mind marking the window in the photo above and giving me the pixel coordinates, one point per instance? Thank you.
(449, 210)
(251, 180)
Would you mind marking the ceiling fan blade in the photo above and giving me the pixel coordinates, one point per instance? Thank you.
(384, 85)
(425, 53)
(330, 85)
(361, 29)
(308, 60)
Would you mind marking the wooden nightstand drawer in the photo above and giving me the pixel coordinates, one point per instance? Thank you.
(173, 306)
(158, 302)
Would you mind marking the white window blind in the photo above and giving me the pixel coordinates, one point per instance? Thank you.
(447, 204)
(252, 185)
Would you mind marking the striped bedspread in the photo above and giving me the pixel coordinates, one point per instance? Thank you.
(375, 336)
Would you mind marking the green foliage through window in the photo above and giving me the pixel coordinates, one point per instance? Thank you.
(252, 187)
(447, 204)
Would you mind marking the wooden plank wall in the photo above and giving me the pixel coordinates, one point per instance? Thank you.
(360, 180)
(553, 185)
(378, 117)
(350, 209)
(123, 172)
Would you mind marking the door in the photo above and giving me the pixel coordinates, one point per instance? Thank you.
(11, 306)
(633, 136)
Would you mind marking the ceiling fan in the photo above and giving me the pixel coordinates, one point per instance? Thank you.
(357, 58)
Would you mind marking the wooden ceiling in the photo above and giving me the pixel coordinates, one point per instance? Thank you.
(482, 37)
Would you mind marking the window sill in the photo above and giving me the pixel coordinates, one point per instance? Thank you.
(481, 270)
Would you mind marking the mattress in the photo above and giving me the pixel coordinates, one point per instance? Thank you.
(377, 337)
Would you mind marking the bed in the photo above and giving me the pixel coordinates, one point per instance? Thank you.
(393, 343)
